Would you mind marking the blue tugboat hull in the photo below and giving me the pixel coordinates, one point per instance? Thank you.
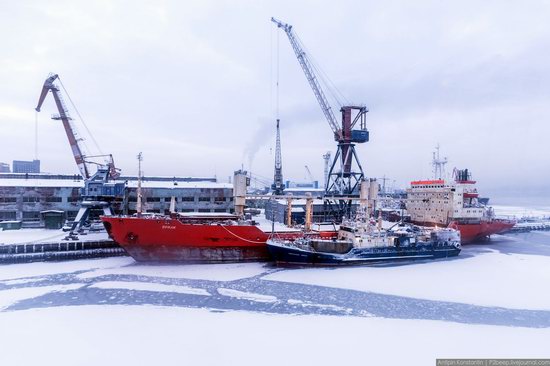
(291, 255)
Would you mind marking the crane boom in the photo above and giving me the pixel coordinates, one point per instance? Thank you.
(65, 118)
(311, 78)
(345, 175)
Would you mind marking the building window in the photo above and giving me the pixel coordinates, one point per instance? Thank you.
(53, 199)
(8, 199)
(7, 215)
(220, 210)
(188, 199)
(31, 199)
(31, 215)
(168, 199)
(204, 210)
(132, 199)
(204, 199)
(71, 215)
(219, 199)
(153, 199)
(72, 199)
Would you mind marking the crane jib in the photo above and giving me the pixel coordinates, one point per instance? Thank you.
(310, 76)
(346, 172)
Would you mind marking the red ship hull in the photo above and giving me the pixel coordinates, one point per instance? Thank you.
(473, 232)
(170, 240)
(470, 233)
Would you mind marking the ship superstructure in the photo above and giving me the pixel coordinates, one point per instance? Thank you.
(453, 203)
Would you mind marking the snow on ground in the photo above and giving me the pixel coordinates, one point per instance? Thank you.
(20, 271)
(486, 278)
(10, 297)
(212, 272)
(150, 335)
(44, 236)
(147, 286)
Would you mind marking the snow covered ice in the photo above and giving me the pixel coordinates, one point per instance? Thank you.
(491, 301)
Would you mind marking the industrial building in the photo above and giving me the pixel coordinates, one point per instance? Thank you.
(277, 210)
(27, 197)
(4, 168)
(22, 166)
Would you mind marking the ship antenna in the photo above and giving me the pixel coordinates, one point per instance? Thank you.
(438, 164)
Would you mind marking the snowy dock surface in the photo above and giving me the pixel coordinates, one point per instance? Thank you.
(35, 245)
(23, 236)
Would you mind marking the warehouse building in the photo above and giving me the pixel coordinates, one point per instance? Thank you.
(27, 197)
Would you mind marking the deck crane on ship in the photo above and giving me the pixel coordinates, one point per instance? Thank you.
(346, 172)
(98, 192)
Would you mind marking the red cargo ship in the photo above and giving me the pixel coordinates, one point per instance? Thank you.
(194, 237)
(454, 204)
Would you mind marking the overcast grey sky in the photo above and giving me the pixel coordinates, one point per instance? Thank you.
(190, 83)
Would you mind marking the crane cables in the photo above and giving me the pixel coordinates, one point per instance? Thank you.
(80, 118)
(274, 110)
(336, 94)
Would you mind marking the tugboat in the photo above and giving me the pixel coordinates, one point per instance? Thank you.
(360, 242)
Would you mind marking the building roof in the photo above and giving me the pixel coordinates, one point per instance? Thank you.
(181, 185)
(65, 183)
(7, 182)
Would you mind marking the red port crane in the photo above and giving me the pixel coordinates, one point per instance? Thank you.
(63, 115)
(98, 192)
(345, 172)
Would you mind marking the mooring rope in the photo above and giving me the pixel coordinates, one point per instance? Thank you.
(237, 236)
